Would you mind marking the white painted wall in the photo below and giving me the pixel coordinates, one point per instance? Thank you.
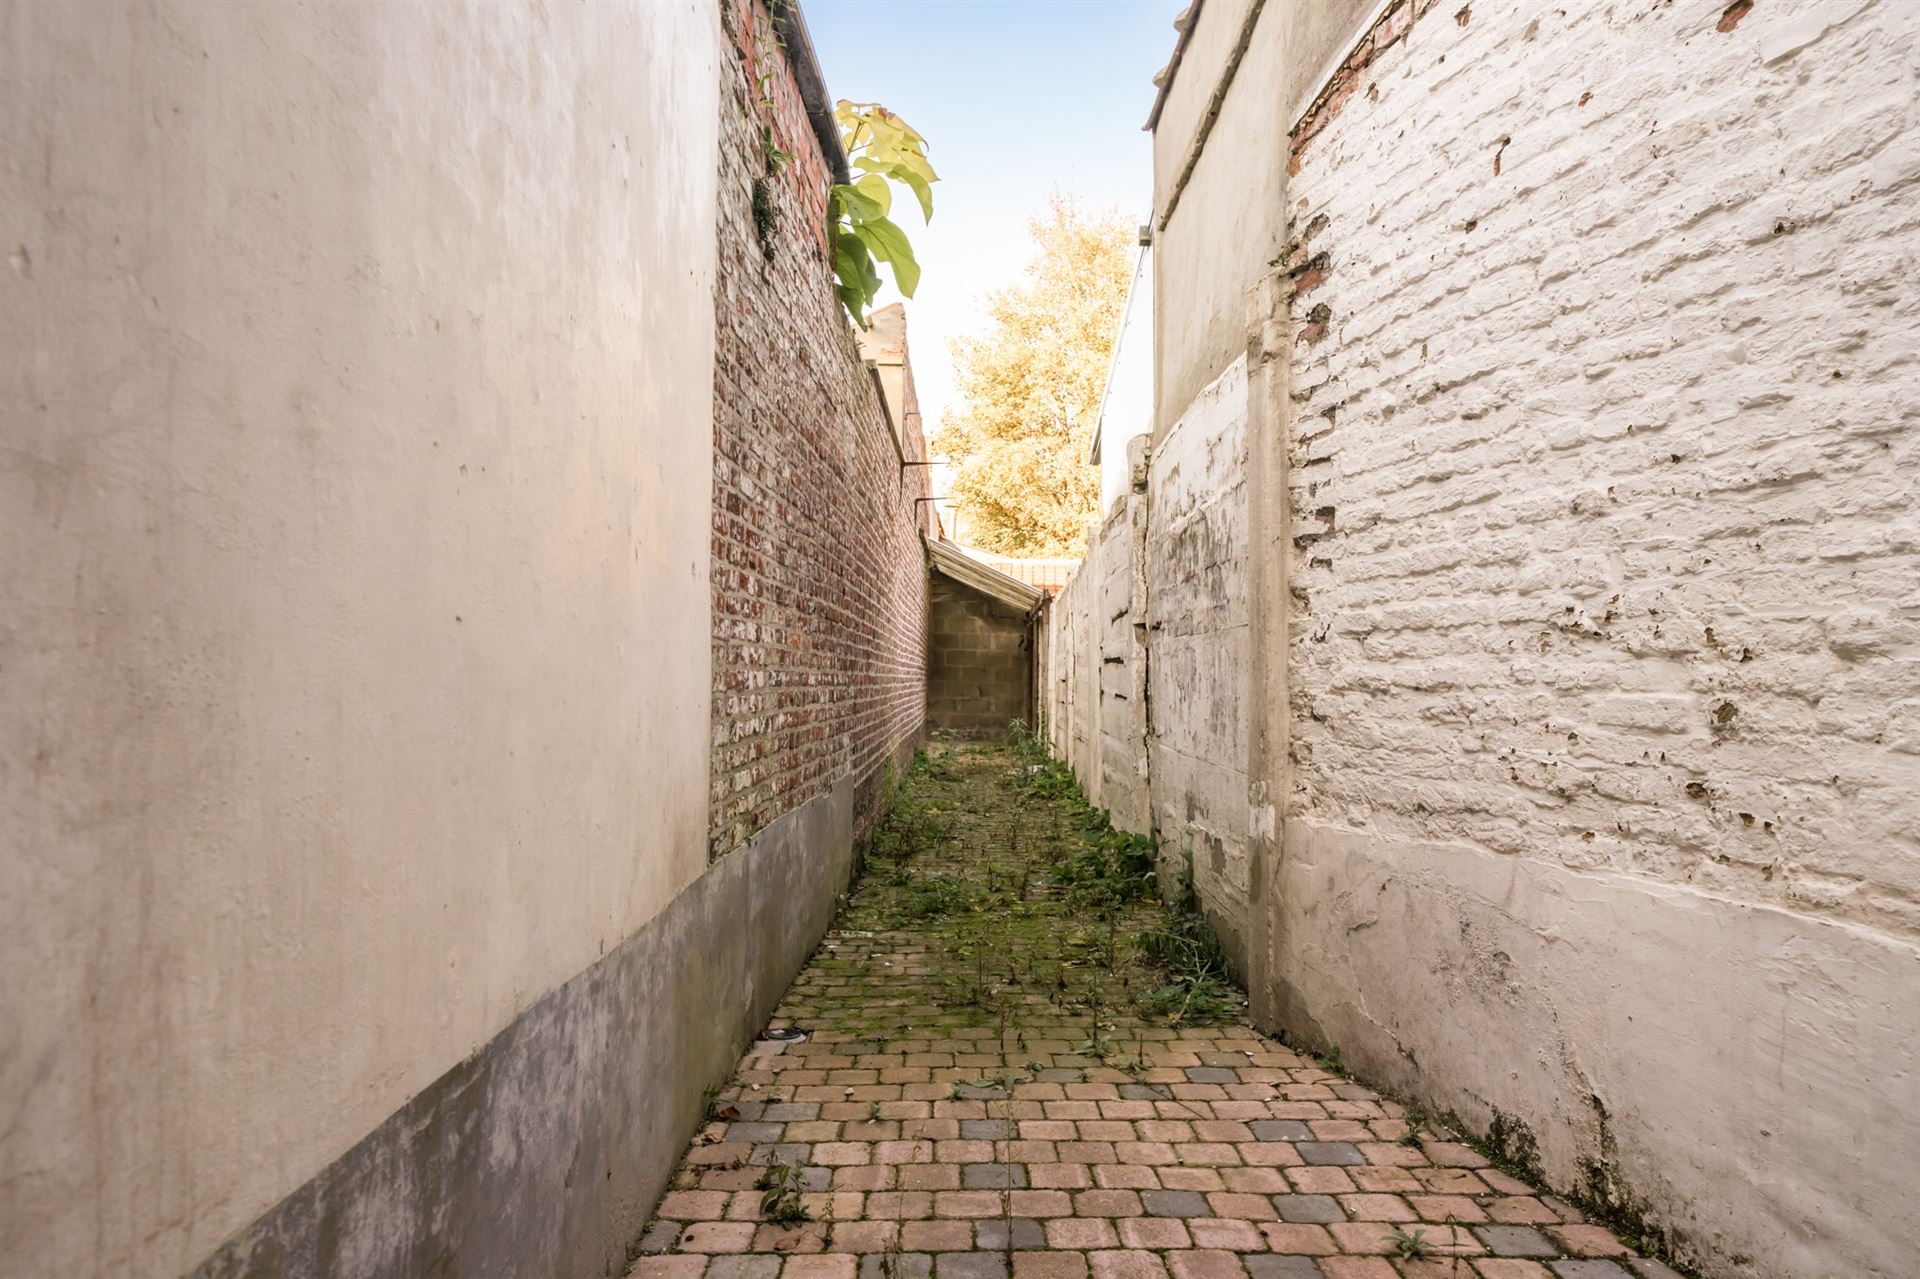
(1605, 811)
(1216, 235)
(1197, 620)
(1093, 670)
(1126, 407)
(353, 534)
(1604, 786)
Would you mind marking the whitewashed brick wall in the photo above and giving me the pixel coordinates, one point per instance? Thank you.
(1605, 657)
(1618, 449)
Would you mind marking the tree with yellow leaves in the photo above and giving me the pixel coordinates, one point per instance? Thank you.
(1030, 388)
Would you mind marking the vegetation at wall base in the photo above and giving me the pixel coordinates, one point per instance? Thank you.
(780, 1187)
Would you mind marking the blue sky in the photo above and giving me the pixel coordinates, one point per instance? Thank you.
(1015, 98)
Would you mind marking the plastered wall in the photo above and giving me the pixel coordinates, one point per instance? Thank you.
(1092, 668)
(355, 667)
(1219, 216)
(1603, 810)
(1197, 634)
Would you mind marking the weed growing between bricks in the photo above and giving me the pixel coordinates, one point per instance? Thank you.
(1046, 899)
(1510, 1149)
(1021, 1064)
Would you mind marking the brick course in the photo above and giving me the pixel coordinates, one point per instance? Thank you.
(819, 588)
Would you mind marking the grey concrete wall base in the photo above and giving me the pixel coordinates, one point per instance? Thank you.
(1503, 988)
(545, 1151)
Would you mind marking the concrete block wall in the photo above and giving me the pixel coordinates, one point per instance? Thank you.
(1147, 661)
(979, 662)
(1119, 567)
(1604, 808)
(1064, 668)
(1069, 675)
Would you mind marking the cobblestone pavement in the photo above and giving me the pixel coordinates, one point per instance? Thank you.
(983, 1094)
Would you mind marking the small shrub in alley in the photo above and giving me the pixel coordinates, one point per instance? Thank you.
(1197, 989)
(1410, 1245)
(780, 1186)
(934, 896)
(1118, 867)
(907, 832)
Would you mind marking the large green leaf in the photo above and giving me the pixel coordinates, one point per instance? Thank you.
(872, 130)
(875, 187)
(860, 249)
(857, 205)
(856, 305)
(921, 192)
(883, 149)
(906, 177)
(915, 161)
(889, 243)
(859, 277)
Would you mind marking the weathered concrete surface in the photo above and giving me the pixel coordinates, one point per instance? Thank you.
(1603, 677)
(1118, 615)
(1270, 333)
(1147, 665)
(1196, 614)
(353, 539)
(544, 1151)
(1729, 1069)
(1070, 674)
(1094, 667)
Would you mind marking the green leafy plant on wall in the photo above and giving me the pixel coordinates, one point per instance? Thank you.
(884, 150)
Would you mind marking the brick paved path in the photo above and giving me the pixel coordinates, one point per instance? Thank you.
(980, 1097)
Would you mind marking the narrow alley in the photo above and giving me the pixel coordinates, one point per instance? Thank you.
(1317, 679)
(1016, 1061)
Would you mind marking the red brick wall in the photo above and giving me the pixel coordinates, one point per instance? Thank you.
(819, 585)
